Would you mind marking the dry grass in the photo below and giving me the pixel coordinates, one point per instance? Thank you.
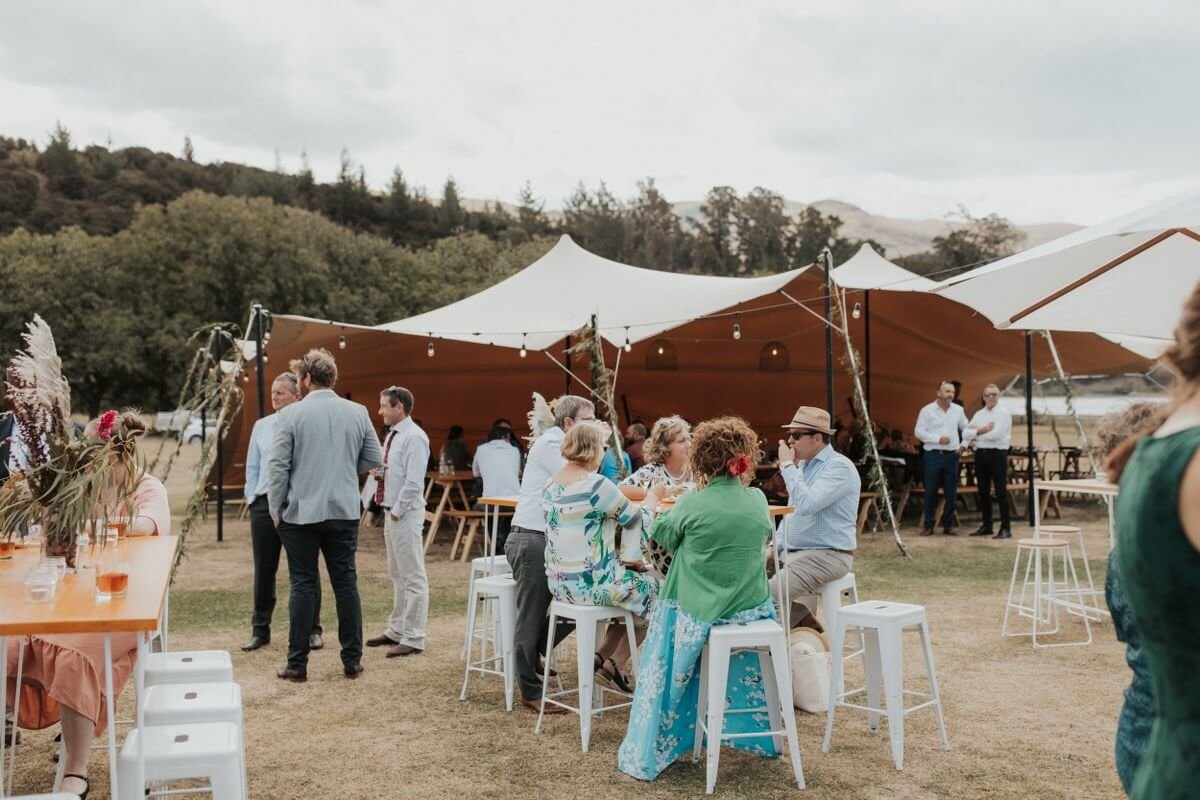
(1022, 724)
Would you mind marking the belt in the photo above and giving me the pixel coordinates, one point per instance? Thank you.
(822, 549)
(991, 449)
(519, 529)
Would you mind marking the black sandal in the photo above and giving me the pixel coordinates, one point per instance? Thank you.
(615, 677)
(87, 785)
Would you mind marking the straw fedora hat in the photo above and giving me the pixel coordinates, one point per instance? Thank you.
(810, 418)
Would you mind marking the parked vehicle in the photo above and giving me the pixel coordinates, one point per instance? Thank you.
(172, 421)
(192, 433)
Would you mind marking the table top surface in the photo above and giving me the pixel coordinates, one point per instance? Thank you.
(1079, 485)
(511, 502)
(75, 607)
(459, 475)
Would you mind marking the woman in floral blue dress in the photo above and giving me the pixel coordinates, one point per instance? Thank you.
(718, 535)
(583, 510)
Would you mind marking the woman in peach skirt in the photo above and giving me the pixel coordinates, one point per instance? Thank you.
(63, 676)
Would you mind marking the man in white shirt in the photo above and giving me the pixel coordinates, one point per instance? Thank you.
(498, 463)
(264, 537)
(526, 549)
(401, 493)
(990, 432)
(939, 427)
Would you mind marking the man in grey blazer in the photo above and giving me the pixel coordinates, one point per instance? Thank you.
(322, 444)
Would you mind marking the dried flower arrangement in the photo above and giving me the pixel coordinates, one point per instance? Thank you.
(66, 480)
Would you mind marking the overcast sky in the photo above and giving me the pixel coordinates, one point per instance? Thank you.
(1064, 111)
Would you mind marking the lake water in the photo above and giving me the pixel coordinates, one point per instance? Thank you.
(1089, 406)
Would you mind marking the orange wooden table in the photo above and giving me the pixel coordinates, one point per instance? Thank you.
(76, 609)
(448, 483)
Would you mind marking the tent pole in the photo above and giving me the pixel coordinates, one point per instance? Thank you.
(827, 258)
(1066, 382)
(258, 359)
(1029, 424)
(568, 360)
(867, 341)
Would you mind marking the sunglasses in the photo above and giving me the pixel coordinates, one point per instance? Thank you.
(801, 434)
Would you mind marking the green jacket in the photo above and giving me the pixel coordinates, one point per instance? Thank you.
(719, 536)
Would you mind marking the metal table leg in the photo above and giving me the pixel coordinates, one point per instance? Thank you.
(110, 712)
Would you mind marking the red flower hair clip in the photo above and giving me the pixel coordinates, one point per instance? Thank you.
(738, 465)
(108, 421)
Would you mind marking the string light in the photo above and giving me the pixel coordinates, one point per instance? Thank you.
(342, 342)
(737, 331)
(774, 351)
(429, 349)
(266, 359)
(523, 352)
(628, 346)
(857, 312)
(245, 377)
(660, 349)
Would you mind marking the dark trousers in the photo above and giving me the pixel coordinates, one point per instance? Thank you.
(991, 469)
(338, 540)
(264, 541)
(941, 469)
(503, 526)
(526, 554)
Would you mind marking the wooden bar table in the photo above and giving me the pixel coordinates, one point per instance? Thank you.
(76, 608)
(448, 483)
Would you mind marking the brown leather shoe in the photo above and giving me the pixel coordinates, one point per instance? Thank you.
(810, 621)
(380, 641)
(353, 670)
(293, 675)
(950, 530)
(927, 532)
(536, 706)
(403, 650)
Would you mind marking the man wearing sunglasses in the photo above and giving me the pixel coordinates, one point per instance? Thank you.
(990, 432)
(820, 536)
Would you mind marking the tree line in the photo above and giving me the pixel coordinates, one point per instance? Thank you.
(126, 252)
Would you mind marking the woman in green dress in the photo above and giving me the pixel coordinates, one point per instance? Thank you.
(718, 576)
(1158, 554)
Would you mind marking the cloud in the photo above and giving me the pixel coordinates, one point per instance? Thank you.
(1067, 111)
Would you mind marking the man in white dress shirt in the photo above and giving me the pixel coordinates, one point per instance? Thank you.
(498, 464)
(990, 432)
(939, 427)
(526, 549)
(401, 493)
(264, 537)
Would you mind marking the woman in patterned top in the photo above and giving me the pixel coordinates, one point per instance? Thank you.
(666, 453)
(583, 510)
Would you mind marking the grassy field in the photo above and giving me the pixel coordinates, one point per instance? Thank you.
(1022, 724)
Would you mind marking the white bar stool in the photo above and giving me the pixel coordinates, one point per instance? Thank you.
(1047, 594)
(482, 567)
(586, 618)
(882, 624)
(1096, 610)
(169, 704)
(766, 637)
(53, 796)
(189, 666)
(500, 592)
(831, 596)
(174, 752)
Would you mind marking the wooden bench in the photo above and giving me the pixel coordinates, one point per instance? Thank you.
(471, 521)
(866, 501)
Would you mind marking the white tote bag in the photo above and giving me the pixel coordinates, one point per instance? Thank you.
(811, 668)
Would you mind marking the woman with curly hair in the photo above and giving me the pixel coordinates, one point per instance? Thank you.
(666, 452)
(717, 534)
(63, 674)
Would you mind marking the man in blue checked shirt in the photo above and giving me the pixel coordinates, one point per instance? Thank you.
(264, 537)
(818, 538)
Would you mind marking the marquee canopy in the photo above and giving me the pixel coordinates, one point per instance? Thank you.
(1127, 276)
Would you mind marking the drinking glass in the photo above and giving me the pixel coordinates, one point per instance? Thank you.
(83, 551)
(40, 583)
(7, 546)
(112, 577)
(59, 564)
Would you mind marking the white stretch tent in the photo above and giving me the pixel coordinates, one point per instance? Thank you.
(559, 293)
(1128, 276)
(868, 270)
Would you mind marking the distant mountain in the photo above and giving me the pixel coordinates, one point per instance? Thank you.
(901, 237)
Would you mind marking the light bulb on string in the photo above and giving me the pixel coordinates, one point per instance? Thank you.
(523, 352)
(245, 377)
(660, 349)
(737, 331)
(774, 351)
(628, 346)
(342, 342)
(266, 359)
(429, 349)
(857, 312)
